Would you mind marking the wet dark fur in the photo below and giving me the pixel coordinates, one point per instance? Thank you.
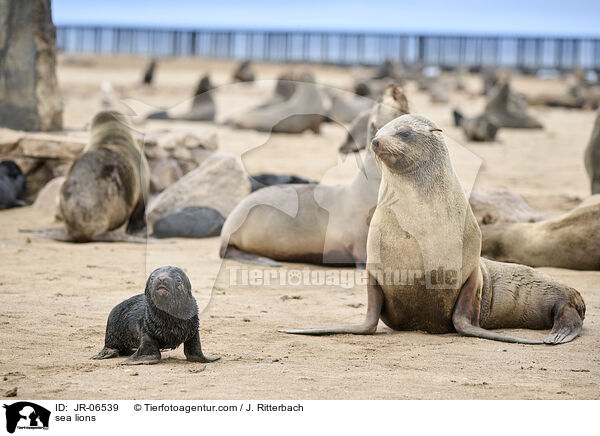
(127, 319)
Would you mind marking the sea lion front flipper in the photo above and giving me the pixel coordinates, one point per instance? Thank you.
(106, 353)
(137, 220)
(147, 354)
(193, 351)
(465, 315)
(244, 257)
(57, 234)
(567, 325)
(369, 325)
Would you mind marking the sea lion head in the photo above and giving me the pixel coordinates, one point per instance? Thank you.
(409, 143)
(169, 289)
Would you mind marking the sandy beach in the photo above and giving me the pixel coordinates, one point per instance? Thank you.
(55, 297)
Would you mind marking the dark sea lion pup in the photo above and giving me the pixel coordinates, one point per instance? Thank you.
(162, 318)
(423, 254)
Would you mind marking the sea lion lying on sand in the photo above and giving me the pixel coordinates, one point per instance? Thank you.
(311, 223)
(571, 240)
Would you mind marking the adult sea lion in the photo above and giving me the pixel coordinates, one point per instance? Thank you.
(311, 223)
(478, 128)
(423, 229)
(12, 185)
(163, 317)
(571, 240)
(106, 186)
(506, 109)
(149, 73)
(305, 110)
(356, 139)
(203, 105)
(243, 72)
(591, 157)
(498, 204)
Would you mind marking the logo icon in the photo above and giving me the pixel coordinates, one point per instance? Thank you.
(26, 415)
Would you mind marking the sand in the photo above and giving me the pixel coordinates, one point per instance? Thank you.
(55, 297)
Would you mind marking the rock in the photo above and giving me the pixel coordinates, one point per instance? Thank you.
(48, 198)
(164, 173)
(9, 139)
(181, 153)
(190, 222)
(52, 146)
(30, 94)
(219, 182)
(187, 140)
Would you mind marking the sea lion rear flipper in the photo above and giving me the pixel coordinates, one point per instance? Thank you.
(465, 315)
(567, 325)
(106, 353)
(242, 256)
(193, 351)
(369, 325)
(137, 220)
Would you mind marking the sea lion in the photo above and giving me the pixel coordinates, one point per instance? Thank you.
(345, 107)
(243, 73)
(591, 157)
(203, 105)
(498, 204)
(506, 109)
(149, 73)
(571, 240)
(478, 128)
(312, 223)
(356, 138)
(12, 185)
(190, 222)
(163, 317)
(284, 89)
(106, 186)
(259, 181)
(305, 110)
(423, 228)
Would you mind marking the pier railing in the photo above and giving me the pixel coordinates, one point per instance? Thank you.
(449, 51)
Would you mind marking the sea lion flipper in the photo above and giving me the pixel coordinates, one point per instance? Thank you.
(56, 234)
(137, 220)
(567, 325)
(368, 327)
(465, 316)
(106, 353)
(242, 256)
(148, 352)
(193, 351)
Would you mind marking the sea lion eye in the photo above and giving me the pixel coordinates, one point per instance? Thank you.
(404, 133)
(178, 279)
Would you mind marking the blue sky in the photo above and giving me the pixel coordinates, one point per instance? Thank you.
(526, 17)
